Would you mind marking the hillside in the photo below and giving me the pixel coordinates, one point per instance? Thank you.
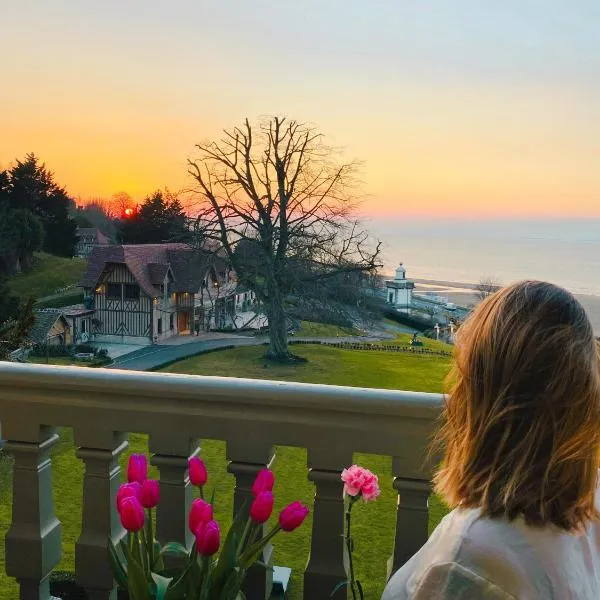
(49, 276)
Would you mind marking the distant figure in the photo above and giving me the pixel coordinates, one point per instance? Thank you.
(415, 341)
(521, 446)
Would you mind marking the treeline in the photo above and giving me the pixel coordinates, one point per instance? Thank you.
(35, 214)
(160, 218)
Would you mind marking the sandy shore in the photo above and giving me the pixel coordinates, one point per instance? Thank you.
(463, 294)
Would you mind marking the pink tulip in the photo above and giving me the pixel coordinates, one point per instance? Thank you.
(126, 490)
(208, 538)
(292, 516)
(132, 514)
(150, 493)
(264, 482)
(198, 473)
(359, 481)
(262, 507)
(201, 512)
(137, 469)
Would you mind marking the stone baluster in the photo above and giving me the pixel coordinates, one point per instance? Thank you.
(171, 453)
(99, 450)
(326, 566)
(33, 539)
(246, 458)
(412, 517)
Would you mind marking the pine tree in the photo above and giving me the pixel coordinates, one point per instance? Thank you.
(32, 187)
(159, 219)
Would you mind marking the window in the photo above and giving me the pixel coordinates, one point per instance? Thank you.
(113, 290)
(159, 326)
(132, 291)
(171, 321)
(84, 326)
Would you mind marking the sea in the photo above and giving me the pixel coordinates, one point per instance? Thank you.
(562, 251)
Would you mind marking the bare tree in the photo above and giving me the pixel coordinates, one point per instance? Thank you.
(486, 287)
(279, 189)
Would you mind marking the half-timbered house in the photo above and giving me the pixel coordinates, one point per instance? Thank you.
(142, 294)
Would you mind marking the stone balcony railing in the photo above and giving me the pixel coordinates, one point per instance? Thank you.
(176, 411)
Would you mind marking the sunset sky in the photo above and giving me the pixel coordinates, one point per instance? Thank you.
(456, 107)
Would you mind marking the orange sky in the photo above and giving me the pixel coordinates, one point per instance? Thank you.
(481, 111)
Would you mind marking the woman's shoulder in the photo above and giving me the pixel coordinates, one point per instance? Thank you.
(447, 581)
(468, 552)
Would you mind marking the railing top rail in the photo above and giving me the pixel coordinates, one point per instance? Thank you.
(161, 387)
(173, 408)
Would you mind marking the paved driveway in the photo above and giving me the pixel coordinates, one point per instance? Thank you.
(153, 357)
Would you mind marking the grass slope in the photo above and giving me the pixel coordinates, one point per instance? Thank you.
(312, 329)
(373, 524)
(49, 274)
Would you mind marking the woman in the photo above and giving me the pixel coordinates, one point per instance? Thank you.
(521, 440)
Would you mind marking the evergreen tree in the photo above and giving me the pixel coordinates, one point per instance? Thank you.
(21, 234)
(32, 187)
(8, 302)
(159, 219)
(15, 334)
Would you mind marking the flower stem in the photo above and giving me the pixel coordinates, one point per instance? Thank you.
(150, 539)
(349, 547)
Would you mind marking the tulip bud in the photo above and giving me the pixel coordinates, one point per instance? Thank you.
(208, 538)
(132, 514)
(128, 489)
(137, 468)
(264, 482)
(200, 512)
(292, 516)
(150, 493)
(262, 507)
(198, 473)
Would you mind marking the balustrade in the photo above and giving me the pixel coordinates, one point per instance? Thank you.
(176, 411)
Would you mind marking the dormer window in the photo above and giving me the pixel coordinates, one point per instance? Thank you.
(131, 291)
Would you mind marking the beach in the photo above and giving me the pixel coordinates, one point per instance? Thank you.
(463, 294)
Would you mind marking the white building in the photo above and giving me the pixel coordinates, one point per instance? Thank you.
(400, 290)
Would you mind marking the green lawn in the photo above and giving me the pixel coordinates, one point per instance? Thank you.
(312, 329)
(404, 339)
(49, 274)
(373, 524)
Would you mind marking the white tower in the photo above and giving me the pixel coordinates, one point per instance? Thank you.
(399, 291)
(400, 273)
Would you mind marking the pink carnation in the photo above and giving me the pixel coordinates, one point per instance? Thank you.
(359, 481)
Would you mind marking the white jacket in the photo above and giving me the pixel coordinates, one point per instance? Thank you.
(469, 557)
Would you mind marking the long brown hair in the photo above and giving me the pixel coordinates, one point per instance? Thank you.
(521, 424)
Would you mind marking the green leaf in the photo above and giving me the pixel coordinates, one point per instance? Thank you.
(338, 587)
(174, 549)
(252, 554)
(118, 569)
(231, 589)
(138, 585)
(159, 564)
(178, 588)
(123, 546)
(228, 555)
(161, 586)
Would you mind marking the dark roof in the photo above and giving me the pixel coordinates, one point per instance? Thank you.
(149, 263)
(97, 237)
(44, 321)
(157, 272)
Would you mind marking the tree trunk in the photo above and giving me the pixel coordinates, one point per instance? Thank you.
(278, 342)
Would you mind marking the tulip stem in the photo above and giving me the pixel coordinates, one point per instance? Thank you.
(244, 536)
(150, 539)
